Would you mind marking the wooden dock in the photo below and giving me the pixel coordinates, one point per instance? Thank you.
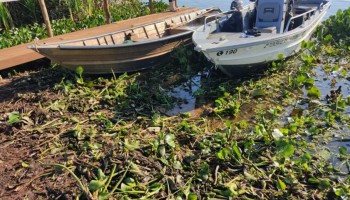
(17, 55)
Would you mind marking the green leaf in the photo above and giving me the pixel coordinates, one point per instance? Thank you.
(192, 196)
(226, 193)
(95, 185)
(14, 117)
(280, 56)
(89, 145)
(100, 174)
(236, 150)
(132, 145)
(79, 70)
(170, 140)
(219, 102)
(309, 82)
(103, 195)
(186, 191)
(249, 176)
(313, 181)
(339, 192)
(125, 188)
(203, 173)
(130, 182)
(223, 153)
(305, 44)
(155, 187)
(343, 151)
(314, 92)
(288, 150)
(281, 185)
(80, 81)
(183, 124)
(328, 37)
(301, 78)
(258, 93)
(24, 164)
(177, 165)
(307, 156)
(324, 184)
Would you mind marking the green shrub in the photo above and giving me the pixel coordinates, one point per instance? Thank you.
(28, 33)
(336, 28)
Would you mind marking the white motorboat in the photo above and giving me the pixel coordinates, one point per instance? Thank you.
(258, 33)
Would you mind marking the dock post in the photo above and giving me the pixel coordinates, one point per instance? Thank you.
(151, 6)
(172, 5)
(46, 17)
(108, 13)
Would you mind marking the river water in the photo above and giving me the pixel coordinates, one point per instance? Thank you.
(225, 4)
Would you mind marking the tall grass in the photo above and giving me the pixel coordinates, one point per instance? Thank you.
(32, 7)
(5, 17)
(79, 8)
(74, 8)
(90, 5)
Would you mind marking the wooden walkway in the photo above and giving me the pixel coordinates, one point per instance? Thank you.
(10, 57)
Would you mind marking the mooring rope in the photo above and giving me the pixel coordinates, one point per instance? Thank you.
(36, 39)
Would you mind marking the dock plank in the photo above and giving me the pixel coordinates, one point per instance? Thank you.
(20, 54)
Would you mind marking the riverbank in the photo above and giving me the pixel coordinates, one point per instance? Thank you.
(263, 136)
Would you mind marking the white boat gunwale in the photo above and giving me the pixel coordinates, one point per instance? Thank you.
(277, 37)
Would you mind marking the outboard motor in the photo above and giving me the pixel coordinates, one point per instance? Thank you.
(236, 5)
(235, 22)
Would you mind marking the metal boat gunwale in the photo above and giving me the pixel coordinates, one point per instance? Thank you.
(199, 12)
(142, 42)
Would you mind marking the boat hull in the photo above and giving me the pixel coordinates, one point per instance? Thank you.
(254, 57)
(136, 48)
(118, 59)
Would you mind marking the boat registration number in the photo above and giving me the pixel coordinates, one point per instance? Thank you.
(227, 52)
(275, 43)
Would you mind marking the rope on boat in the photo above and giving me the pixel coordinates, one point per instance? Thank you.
(36, 39)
